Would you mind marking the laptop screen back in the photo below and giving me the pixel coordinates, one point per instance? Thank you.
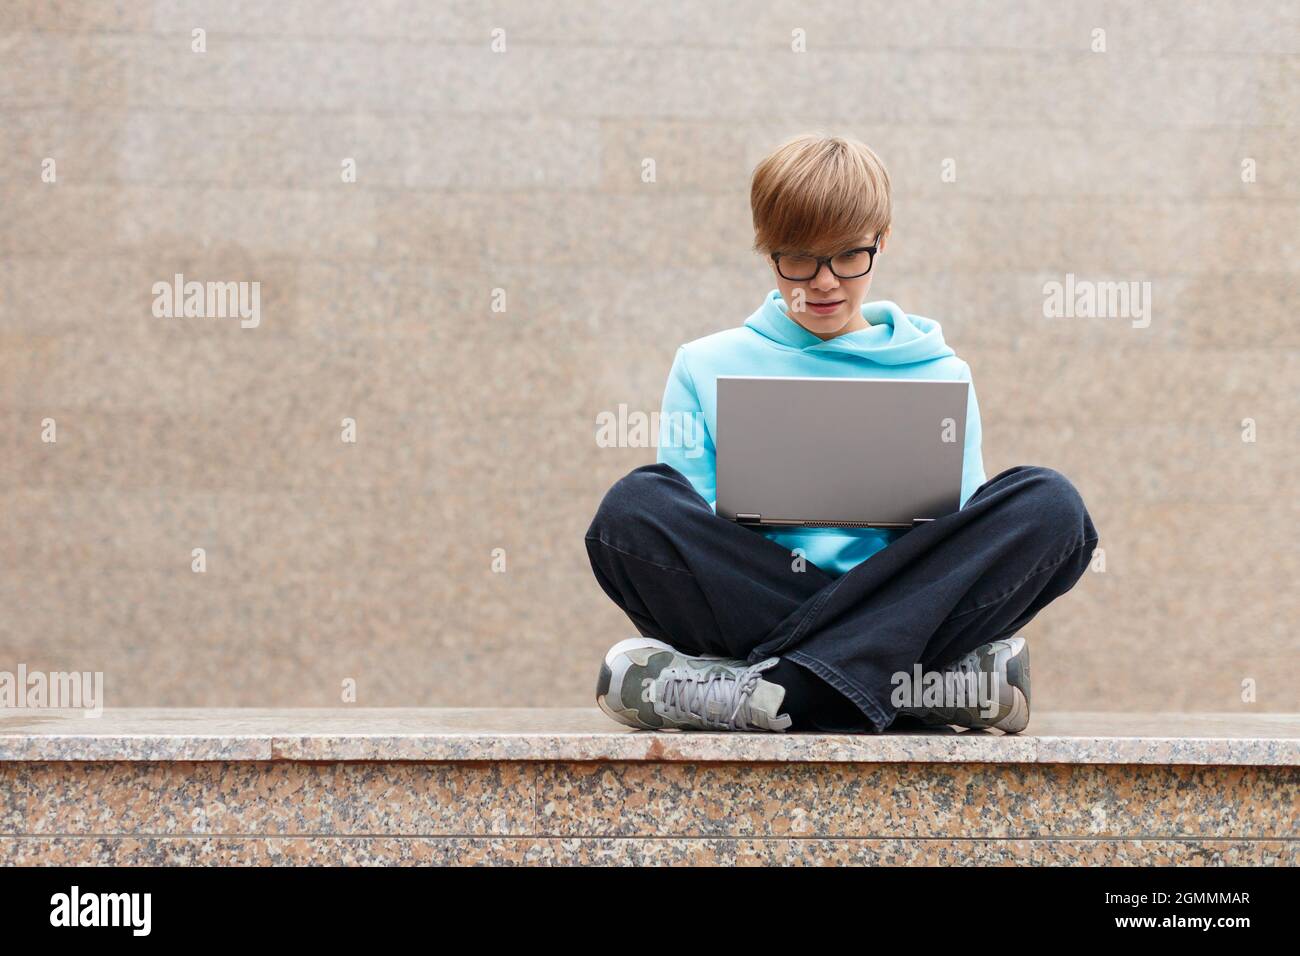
(839, 451)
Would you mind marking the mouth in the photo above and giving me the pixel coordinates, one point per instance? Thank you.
(824, 308)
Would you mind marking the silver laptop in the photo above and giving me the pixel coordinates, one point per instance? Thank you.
(839, 452)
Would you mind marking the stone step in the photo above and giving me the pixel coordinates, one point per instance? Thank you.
(568, 786)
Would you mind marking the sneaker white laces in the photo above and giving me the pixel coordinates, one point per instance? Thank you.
(969, 664)
(971, 674)
(686, 695)
(964, 669)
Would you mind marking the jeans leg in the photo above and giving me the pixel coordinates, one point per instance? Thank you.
(686, 576)
(1023, 539)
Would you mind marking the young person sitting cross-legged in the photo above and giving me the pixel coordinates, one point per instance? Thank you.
(736, 634)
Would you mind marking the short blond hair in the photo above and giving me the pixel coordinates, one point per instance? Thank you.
(818, 194)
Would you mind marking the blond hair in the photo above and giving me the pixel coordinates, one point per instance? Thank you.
(818, 194)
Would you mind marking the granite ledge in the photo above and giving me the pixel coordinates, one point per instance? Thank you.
(583, 734)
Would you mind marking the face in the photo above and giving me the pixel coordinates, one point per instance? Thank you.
(843, 298)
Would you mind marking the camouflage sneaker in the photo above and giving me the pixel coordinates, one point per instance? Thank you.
(1003, 668)
(648, 684)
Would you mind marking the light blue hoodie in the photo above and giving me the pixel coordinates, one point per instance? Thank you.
(894, 345)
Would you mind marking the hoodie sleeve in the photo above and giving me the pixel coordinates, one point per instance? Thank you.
(972, 465)
(684, 439)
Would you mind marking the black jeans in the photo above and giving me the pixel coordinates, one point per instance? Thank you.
(707, 585)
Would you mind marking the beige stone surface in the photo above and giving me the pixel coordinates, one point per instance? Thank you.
(586, 734)
(521, 171)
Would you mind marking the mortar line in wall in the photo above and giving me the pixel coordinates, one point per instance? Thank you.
(137, 253)
(440, 41)
(132, 253)
(990, 197)
(636, 119)
(307, 259)
(993, 197)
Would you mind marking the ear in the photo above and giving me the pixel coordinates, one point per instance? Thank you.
(884, 238)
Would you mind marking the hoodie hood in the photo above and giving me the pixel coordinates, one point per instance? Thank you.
(892, 337)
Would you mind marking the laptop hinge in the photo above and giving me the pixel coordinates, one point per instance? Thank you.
(746, 518)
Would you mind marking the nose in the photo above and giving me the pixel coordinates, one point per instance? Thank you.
(824, 279)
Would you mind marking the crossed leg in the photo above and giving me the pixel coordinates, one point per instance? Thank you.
(707, 585)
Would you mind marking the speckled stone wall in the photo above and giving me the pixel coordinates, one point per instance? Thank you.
(645, 813)
(1166, 157)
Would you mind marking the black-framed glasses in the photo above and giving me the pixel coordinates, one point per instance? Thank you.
(850, 264)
